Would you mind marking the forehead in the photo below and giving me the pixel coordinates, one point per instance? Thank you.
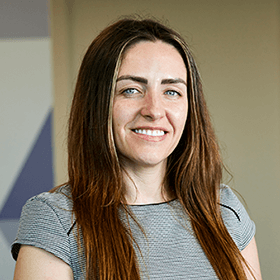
(147, 57)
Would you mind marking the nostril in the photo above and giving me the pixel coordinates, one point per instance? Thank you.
(153, 112)
(152, 116)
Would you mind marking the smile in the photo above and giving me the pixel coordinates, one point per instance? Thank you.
(149, 132)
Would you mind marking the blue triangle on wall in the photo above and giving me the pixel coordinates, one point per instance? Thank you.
(36, 175)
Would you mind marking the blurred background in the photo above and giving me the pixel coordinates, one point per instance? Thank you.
(236, 44)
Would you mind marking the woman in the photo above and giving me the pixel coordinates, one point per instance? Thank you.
(144, 199)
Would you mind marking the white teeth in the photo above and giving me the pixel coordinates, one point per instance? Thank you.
(150, 132)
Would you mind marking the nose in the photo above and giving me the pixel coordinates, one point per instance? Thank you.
(153, 108)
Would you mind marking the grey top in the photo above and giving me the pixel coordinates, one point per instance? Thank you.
(169, 250)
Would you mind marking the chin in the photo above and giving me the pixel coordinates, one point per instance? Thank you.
(147, 159)
(150, 161)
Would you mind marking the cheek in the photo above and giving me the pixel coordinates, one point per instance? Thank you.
(117, 118)
(124, 112)
(120, 118)
(180, 117)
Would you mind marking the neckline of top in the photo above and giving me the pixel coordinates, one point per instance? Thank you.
(152, 204)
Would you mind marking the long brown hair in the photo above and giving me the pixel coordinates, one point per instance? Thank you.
(194, 169)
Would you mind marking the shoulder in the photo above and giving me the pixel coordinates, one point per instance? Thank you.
(236, 219)
(56, 205)
(45, 222)
(59, 201)
(60, 196)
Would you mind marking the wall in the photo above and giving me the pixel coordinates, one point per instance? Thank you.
(236, 44)
(25, 114)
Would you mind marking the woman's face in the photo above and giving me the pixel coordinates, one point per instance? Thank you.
(150, 103)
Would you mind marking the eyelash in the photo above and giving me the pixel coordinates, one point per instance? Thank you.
(131, 91)
(126, 91)
(172, 91)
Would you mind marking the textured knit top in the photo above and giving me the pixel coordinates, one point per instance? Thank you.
(169, 250)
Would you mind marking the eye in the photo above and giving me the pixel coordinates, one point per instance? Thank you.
(130, 91)
(172, 93)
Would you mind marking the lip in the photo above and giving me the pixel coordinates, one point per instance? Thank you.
(150, 138)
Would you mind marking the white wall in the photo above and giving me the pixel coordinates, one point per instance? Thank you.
(25, 115)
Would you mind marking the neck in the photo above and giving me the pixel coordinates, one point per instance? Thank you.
(145, 184)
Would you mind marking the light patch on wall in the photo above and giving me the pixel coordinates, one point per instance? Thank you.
(26, 87)
(7, 263)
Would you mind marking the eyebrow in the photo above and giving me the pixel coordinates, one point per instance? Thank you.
(133, 78)
(145, 81)
(173, 81)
